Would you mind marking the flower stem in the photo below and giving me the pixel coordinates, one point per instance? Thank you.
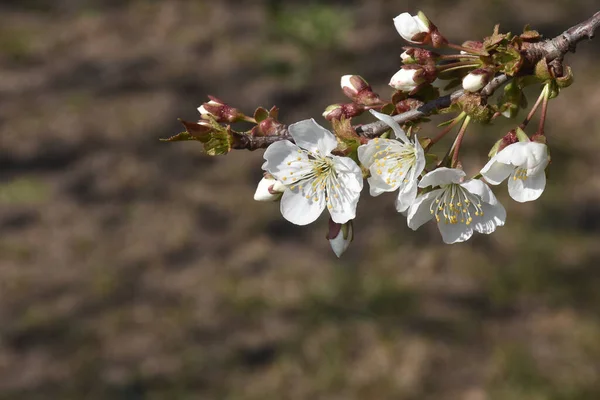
(468, 50)
(443, 133)
(458, 57)
(546, 94)
(458, 142)
(534, 108)
(457, 65)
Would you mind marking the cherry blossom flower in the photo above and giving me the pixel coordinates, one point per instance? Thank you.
(524, 163)
(314, 178)
(394, 164)
(459, 206)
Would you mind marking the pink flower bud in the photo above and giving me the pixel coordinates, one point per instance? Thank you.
(337, 111)
(219, 111)
(414, 55)
(353, 85)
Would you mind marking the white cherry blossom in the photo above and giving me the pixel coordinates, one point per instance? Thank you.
(314, 178)
(411, 27)
(394, 164)
(524, 163)
(459, 206)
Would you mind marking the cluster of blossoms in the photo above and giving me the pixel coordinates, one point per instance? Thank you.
(309, 169)
(307, 178)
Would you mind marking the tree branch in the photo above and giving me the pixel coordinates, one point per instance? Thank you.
(551, 49)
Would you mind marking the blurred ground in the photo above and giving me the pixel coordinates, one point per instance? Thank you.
(134, 269)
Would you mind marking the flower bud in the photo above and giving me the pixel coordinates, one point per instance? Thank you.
(407, 105)
(267, 127)
(353, 85)
(200, 130)
(340, 236)
(359, 90)
(413, 28)
(219, 111)
(476, 80)
(269, 189)
(339, 111)
(415, 55)
(411, 76)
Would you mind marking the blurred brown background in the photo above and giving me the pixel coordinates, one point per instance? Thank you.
(135, 269)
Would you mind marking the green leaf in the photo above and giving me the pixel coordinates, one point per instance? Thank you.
(508, 59)
(261, 114)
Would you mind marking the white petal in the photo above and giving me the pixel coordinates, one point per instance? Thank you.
(377, 186)
(312, 137)
(299, 210)
(455, 233)
(420, 155)
(346, 82)
(406, 196)
(442, 176)
(493, 217)
(478, 187)
(366, 152)
(392, 124)
(495, 172)
(348, 172)
(341, 203)
(514, 154)
(538, 158)
(527, 190)
(286, 162)
(419, 212)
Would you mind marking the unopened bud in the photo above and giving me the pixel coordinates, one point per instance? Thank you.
(413, 28)
(353, 85)
(415, 55)
(340, 236)
(359, 90)
(339, 111)
(269, 189)
(267, 127)
(411, 76)
(219, 111)
(201, 130)
(476, 80)
(407, 105)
